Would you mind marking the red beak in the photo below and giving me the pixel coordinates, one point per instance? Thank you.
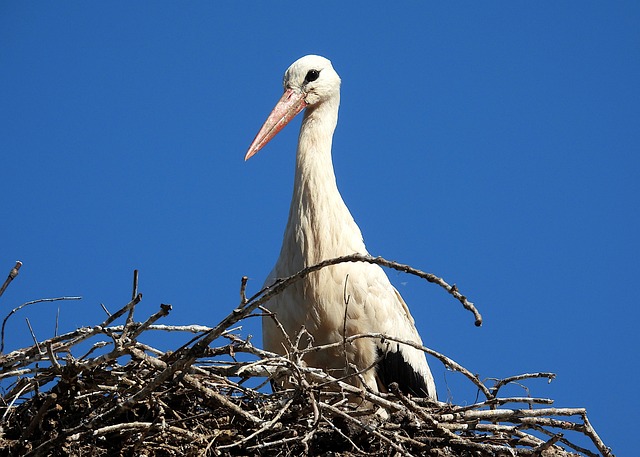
(291, 103)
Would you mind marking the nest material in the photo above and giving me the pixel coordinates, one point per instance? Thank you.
(101, 391)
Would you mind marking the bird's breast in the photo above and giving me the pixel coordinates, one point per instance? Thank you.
(329, 305)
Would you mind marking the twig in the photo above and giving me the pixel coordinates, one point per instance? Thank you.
(104, 308)
(281, 284)
(37, 419)
(345, 299)
(336, 429)
(134, 295)
(363, 426)
(53, 359)
(121, 311)
(134, 292)
(266, 426)
(507, 414)
(12, 274)
(18, 308)
(164, 311)
(501, 382)
(33, 335)
(55, 332)
(444, 359)
(9, 407)
(547, 444)
(278, 324)
(591, 433)
(503, 401)
(243, 288)
(207, 393)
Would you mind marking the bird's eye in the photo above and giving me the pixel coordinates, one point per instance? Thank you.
(312, 76)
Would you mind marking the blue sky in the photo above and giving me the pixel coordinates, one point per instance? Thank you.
(494, 144)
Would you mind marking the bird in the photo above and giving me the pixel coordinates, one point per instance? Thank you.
(347, 298)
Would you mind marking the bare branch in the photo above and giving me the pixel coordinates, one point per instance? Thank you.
(265, 294)
(18, 308)
(99, 389)
(12, 274)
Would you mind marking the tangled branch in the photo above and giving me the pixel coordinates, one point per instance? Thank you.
(101, 389)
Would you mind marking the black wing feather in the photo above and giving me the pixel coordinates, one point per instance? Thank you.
(392, 367)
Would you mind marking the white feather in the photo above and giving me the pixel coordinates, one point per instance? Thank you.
(321, 227)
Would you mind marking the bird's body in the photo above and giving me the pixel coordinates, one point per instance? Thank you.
(344, 299)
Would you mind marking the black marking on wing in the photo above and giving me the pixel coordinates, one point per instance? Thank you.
(392, 367)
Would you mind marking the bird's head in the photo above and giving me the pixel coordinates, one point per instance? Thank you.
(308, 82)
(314, 78)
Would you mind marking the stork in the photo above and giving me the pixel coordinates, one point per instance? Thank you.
(347, 298)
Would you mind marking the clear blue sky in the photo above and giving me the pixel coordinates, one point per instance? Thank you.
(493, 144)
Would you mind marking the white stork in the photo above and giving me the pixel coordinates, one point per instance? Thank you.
(344, 299)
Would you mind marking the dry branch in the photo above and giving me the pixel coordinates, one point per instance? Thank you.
(123, 396)
(12, 274)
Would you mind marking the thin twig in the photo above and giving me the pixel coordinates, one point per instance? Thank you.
(12, 274)
(134, 292)
(263, 295)
(18, 308)
(33, 335)
(444, 359)
(55, 332)
(591, 433)
(134, 295)
(243, 288)
(164, 311)
(368, 428)
(502, 382)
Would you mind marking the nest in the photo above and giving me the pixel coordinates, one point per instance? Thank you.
(101, 391)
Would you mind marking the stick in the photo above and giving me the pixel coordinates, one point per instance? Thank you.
(18, 308)
(12, 274)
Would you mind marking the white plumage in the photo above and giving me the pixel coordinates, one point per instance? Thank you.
(321, 227)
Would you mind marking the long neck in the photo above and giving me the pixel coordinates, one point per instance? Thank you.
(320, 225)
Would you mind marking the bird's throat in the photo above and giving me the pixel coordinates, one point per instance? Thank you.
(320, 225)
